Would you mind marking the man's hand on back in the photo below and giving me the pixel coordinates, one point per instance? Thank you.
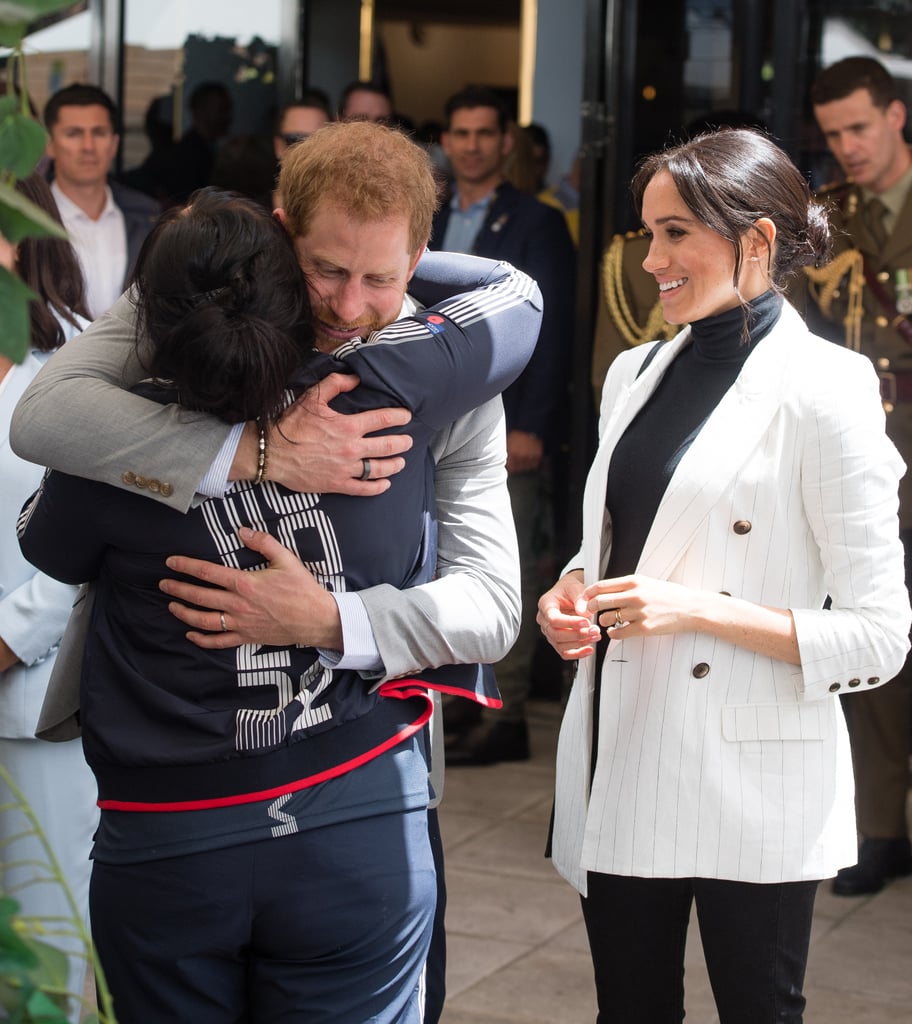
(318, 450)
(281, 605)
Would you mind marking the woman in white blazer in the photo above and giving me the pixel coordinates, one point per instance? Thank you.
(740, 567)
(34, 610)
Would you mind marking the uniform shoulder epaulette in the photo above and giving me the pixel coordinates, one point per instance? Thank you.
(836, 193)
(833, 188)
(620, 237)
(619, 308)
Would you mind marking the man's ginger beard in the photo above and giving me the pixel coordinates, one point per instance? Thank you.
(322, 314)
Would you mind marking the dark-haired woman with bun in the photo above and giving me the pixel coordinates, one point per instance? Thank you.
(263, 849)
(740, 568)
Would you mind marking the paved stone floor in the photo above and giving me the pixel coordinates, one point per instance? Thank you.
(517, 946)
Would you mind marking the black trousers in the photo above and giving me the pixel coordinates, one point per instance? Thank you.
(755, 941)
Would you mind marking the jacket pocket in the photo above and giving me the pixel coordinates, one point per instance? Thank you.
(744, 722)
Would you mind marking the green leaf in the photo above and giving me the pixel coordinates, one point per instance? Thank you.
(11, 35)
(15, 953)
(20, 218)
(53, 969)
(28, 965)
(15, 989)
(43, 1010)
(14, 342)
(17, 15)
(22, 141)
(8, 909)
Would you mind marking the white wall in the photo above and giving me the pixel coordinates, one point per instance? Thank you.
(446, 57)
(424, 73)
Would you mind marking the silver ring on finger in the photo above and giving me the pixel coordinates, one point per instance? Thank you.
(222, 622)
(365, 469)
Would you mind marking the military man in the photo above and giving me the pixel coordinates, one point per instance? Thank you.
(629, 310)
(863, 299)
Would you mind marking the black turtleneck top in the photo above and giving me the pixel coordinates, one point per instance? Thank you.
(648, 452)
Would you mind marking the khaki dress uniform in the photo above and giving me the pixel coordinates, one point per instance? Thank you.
(629, 311)
(844, 307)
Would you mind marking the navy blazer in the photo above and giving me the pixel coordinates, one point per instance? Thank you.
(140, 212)
(534, 238)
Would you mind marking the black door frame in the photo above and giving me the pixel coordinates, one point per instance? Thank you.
(609, 80)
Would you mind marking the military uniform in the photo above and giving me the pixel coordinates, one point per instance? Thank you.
(843, 305)
(629, 311)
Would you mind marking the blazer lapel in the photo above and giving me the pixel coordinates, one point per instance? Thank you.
(727, 439)
(631, 397)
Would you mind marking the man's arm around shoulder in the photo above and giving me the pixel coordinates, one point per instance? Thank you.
(470, 612)
(78, 416)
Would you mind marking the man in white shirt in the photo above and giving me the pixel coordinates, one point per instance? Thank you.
(106, 221)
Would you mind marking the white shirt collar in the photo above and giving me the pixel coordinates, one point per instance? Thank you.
(70, 209)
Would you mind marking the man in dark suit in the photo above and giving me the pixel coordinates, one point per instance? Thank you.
(106, 221)
(487, 216)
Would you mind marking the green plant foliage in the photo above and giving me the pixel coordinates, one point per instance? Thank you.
(14, 952)
(21, 219)
(17, 15)
(34, 974)
(14, 315)
(22, 141)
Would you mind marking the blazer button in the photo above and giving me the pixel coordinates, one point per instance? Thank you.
(874, 680)
(140, 481)
(166, 490)
(701, 671)
(834, 687)
(154, 485)
(128, 478)
(741, 527)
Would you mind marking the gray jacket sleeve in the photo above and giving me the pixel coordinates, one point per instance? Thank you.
(470, 612)
(76, 416)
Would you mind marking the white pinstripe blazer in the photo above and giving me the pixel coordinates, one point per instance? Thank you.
(714, 761)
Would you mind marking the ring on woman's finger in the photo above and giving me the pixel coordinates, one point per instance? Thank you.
(618, 621)
(365, 469)
(222, 622)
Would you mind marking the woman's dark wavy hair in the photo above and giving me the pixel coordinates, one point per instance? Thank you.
(222, 307)
(50, 267)
(729, 179)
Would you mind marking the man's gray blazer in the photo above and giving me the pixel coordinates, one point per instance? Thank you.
(76, 417)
